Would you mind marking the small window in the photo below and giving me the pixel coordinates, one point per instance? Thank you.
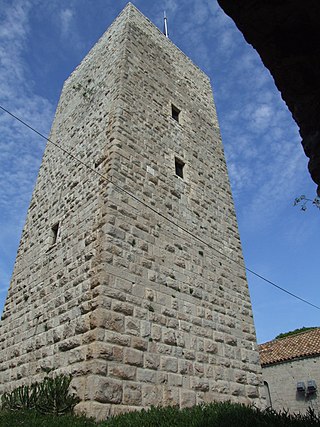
(175, 113)
(54, 233)
(267, 394)
(179, 165)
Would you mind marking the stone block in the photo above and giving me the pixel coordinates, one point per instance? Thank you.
(132, 394)
(171, 396)
(188, 398)
(108, 320)
(105, 390)
(118, 353)
(146, 375)
(69, 344)
(252, 391)
(151, 360)
(133, 357)
(123, 372)
(151, 395)
(117, 338)
(145, 328)
(156, 332)
(169, 364)
(169, 337)
(100, 350)
(132, 326)
(185, 367)
(200, 384)
(237, 389)
(175, 380)
(139, 343)
(210, 347)
(122, 307)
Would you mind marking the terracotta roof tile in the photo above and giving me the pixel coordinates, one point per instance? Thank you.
(304, 344)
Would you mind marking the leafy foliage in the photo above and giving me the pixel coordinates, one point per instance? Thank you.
(211, 415)
(34, 419)
(22, 398)
(295, 331)
(54, 397)
(51, 396)
(302, 201)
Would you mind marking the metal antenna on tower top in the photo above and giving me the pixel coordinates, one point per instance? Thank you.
(165, 25)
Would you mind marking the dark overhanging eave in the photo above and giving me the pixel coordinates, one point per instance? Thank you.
(286, 34)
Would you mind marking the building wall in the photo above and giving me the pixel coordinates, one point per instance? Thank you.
(282, 380)
(127, 299)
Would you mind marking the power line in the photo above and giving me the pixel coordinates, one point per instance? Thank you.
(153, 209)
(282, 289)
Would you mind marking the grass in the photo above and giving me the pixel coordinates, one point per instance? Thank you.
(34, 419)
(211, 415)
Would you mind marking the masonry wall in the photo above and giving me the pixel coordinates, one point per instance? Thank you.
(282, 382)
(143, 297)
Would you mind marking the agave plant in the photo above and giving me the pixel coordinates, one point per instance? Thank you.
(23, 397)
(54, 397)
(51, 396)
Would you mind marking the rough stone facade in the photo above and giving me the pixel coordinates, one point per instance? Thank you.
(117, 289)
(282, 379)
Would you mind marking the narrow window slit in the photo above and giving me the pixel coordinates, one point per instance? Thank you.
(175, 112)
(54, 233)
(179, 165)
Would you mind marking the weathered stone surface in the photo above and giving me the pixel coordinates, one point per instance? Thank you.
(125, 300)
(147, 375)
(151, 395)
(171, 396)
(108, 320)
(188, 398)
(133, 357)
(151, 361)
(169, 364)
(105, 390)
(132, 394)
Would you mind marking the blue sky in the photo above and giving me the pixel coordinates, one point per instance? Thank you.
(42, 42)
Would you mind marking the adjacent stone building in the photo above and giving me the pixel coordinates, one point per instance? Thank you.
(129, 273)
(291, 371)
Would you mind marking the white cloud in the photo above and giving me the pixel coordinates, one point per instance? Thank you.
(227, 42)
(66, 18)
(170, 7)
(200, 13)
(20, 149)
(262, 145)
(261, 117)
(13, 32)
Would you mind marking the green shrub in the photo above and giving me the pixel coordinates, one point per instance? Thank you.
(21, 398)
(213, 415)
(34, 419)
(210, 415)
(51, 396)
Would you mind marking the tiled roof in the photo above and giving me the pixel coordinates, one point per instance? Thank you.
(304, 344)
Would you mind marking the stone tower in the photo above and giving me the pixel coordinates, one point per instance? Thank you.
(129, 273)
